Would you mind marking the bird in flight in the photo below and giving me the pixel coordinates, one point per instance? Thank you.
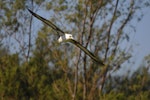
(66, 37)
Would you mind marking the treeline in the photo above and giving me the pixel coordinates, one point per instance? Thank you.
(37, 80)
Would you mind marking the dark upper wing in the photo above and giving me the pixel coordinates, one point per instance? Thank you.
(49, 23)
(86, 51)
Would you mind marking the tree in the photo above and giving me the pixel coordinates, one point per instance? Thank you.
(62, 70)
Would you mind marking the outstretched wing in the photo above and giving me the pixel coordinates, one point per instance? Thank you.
(86, 51)
(49, 23)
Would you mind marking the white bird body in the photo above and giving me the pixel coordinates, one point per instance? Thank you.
(65, 37)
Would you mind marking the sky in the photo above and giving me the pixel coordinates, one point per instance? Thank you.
(142, 38)
(141, 44)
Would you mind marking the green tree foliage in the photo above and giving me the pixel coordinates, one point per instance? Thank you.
(132, 87)
(34, 66)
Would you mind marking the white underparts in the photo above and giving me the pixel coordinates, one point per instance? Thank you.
(65, 37)
(60, 39)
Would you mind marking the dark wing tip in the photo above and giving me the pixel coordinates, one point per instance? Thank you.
(86, 51)
(49, 23)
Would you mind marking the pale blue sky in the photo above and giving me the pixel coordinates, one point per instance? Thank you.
(140, 41)
(142, 38)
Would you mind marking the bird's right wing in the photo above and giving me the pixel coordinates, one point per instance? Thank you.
(86, 51)
(49, 23)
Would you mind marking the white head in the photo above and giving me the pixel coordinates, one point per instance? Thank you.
(66, 37)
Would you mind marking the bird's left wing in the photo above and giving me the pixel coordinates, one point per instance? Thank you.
(49, 23)
(86, 51)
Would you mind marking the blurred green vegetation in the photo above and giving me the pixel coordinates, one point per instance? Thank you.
(34, 67)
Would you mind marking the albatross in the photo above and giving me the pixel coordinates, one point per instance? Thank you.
(66, 37)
